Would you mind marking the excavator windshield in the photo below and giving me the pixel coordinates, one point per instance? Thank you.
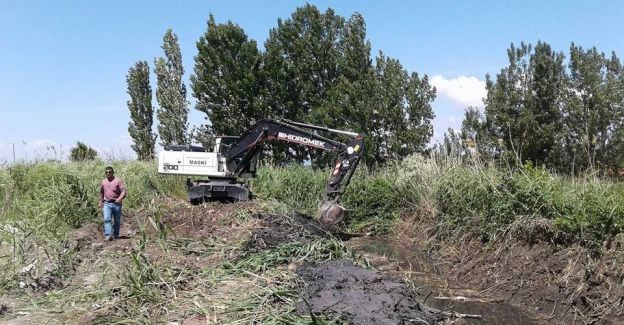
(224, 143)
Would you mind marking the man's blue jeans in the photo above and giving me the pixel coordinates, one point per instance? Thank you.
(112, 211)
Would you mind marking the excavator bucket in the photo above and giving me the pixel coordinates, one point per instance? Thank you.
(331, 213)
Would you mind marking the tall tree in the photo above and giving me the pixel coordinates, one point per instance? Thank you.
(401, 117)
(302, 60)
(595, 109)
(141, 111)
(226, 80)
(523, 106)
(349, 104)
(171, 93)
(414, 132)
(301, 67)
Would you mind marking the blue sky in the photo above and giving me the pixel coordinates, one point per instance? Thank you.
(63, 63)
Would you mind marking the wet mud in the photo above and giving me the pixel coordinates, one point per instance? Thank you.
(360, 296)
(275, 230)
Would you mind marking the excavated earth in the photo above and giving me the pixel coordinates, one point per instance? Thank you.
(530, 274)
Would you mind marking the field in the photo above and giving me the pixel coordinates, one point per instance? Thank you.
(426, 241)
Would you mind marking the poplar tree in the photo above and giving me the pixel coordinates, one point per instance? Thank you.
(301, 69)
(595, 109)
(171, 93)
(225, 80)
(141, 111)
(401, 117)
(523, 105)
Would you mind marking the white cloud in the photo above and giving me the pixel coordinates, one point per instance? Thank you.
(463, 90)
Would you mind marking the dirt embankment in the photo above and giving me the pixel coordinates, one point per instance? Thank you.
(529, 266)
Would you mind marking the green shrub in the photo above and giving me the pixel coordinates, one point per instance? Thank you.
(594, 211)
(373, 201)
(82, 152)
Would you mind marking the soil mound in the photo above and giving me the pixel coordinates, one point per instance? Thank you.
(278, 229)
(208, 220)
(360, 296)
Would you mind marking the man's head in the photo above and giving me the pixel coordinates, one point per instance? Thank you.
(109, 171)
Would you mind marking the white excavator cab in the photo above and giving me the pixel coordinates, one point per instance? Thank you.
(196, 161)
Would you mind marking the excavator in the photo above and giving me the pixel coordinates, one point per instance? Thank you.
(232, 161)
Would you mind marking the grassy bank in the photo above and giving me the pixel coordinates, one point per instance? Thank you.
(47, 199)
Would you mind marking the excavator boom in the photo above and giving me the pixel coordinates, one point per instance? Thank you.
(348, 156)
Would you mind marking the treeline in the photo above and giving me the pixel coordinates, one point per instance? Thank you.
(565, 114)
(316, 67)
(546, 109)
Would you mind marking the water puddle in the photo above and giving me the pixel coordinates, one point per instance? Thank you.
(395, 257)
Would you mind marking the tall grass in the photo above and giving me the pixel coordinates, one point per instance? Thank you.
(487, 199)
(469, 198)
(372, 199)
(40, 203)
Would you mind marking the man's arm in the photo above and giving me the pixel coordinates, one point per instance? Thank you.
(124, 192)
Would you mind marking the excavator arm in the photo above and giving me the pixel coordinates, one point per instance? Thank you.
(348, 154)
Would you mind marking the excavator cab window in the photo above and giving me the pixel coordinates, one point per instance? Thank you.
(225, 142)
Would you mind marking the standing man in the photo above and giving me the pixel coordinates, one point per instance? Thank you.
(112, 192)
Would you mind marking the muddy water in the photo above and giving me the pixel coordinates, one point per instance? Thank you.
(431, 289)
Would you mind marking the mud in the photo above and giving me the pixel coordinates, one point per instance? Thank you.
(408, 262)
(275, 230)
(360, 296)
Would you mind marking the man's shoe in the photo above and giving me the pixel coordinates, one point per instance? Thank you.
(108, 238)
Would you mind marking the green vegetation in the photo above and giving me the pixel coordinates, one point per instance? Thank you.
(563, 114)
(40, 203)
(141, 110)
(82, 152)
(469, 198)
(171, 93)
(43, 201)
